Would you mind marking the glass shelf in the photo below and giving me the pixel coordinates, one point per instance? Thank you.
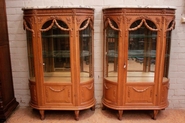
(62, 54)
(54, 36)
(142, 36)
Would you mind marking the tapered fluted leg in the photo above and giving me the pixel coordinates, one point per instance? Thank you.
(155, 114)
(93, 108)
(77, 115)
(120, 114)
(42, 117)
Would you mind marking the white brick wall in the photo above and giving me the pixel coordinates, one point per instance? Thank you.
(18, 46)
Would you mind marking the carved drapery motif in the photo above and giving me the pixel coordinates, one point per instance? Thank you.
(84, 91)
(27, 28)
(143, 17)
(105, 24)
(106, 86)
(64, 91)
(54, 22)
(85, 26)
(172, 26)
(111, 25)
(140, 91)
(56, 90)
(55, 18)
(164, 93)
(143, 21)
(89, 87)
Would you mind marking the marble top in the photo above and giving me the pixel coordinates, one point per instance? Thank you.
(138, 6)
(48, 7)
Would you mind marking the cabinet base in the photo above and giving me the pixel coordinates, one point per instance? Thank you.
(76, 109)
(120, 110)
(76, 112)
(5, 111)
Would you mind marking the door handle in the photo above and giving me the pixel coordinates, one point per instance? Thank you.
(124, 66)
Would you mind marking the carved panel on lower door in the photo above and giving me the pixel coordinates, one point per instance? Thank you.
(58, 94)
(110, 92)
(139, 94)
(87, 92)
(33, 92)
(164, 93)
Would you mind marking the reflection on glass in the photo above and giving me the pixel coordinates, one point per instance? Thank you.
(111, 51)
(30, 52)
(141, 53)
(56, 52)
(85, 52)
(167, 52)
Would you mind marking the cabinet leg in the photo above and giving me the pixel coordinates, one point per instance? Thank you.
(42, 117)
(77, 115)
(155, 114)
(103, 107)
(93, 108)
(120, 114)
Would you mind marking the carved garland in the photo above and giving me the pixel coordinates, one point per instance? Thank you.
(89, 87)
(88, 21)
(140, 91)
(107, 87)
(112, 25)
(54, 22)
(26, 26)
(172, 27)
(143, 21)
(56, 90)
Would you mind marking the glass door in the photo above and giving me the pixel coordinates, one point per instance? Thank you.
(111, 51)
(142, 44)
(167, 50)
(56, 51)
(86, 63)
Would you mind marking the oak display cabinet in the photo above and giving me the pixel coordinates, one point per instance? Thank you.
(136, 58)
(60, 55)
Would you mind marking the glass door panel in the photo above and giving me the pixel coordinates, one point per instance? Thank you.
(167, 51)
(30, 53)
(56, 52)
(141, 52)
(111, 51)
(86, 64)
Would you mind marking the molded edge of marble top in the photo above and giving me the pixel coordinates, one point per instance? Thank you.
(57, 7)
(138, 6)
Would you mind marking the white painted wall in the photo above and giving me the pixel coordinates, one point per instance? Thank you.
(18, 45)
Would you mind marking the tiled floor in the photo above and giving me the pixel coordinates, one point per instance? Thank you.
(29, 115)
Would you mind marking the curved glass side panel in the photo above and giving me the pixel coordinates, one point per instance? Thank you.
(111, 51)
(141, 52)
(167, 51)
(85, 43)
(56, 52)
(30, 52)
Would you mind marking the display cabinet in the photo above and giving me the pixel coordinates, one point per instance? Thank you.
(136, 58)
(7, 98)
(60, 55)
